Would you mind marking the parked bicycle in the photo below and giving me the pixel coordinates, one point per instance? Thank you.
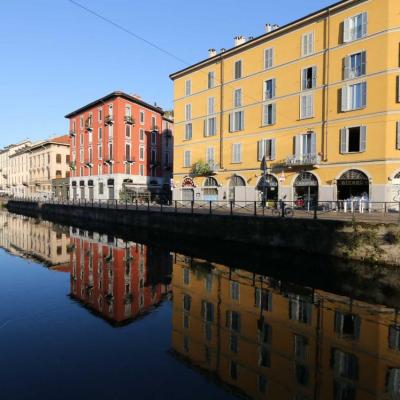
(283, 211)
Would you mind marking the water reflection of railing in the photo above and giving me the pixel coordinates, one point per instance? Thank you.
(266, 338)
(116, 279)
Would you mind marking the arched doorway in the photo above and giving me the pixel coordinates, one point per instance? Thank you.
(306, 189)
(187, 189)
(237, 188)
(396, 188)
(269, 186)
(210, 190)
(353, 184)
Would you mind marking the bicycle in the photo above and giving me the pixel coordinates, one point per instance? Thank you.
(288, 212)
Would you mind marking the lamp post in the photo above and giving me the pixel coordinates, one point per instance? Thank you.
(264, 169)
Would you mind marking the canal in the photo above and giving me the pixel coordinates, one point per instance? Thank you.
(91, 315)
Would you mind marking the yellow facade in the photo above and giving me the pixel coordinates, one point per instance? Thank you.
(354, 48)
(318, 345)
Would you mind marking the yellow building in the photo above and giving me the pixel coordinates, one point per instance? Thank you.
(268, 339)
(318, 97)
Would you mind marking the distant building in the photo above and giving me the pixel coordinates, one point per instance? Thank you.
(119, 149)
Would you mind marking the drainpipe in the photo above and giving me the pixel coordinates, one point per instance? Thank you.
(326, 88)
(221, 113)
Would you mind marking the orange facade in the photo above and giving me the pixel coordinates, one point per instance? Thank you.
(119, 141)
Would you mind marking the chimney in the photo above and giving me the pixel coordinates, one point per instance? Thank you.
(223, 50)
(212, 53)
(275, 26)
(268, 28)
(239, 40)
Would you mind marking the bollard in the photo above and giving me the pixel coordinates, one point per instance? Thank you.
(210, 207)
(231, 204)
(255, 208)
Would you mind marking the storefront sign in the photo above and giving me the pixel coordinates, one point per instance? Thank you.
(188, 182)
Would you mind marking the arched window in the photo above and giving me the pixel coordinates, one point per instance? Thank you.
(354, 174)
(210, 182)
(237, 181)
(270, 181)
(306, 179)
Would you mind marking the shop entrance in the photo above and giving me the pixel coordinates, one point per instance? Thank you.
(353, 185)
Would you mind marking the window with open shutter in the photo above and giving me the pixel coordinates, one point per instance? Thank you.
(363, 138)
(343, 141)
(398, 135)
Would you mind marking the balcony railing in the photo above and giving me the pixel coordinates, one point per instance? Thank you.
(130, 161)
(109, 120)
(72, 133)
(303, 160)
(88, 125)
(154, 128)
(129, 120)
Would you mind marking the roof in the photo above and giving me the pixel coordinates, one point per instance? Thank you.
(259, 39)
(111, 96)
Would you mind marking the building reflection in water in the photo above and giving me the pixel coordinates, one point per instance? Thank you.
(267, 339)
(116, 279)
(44, 242)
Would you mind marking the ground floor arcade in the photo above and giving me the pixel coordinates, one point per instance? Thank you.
(369, 182)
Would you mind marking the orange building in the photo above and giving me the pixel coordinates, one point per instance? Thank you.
(120, 149)
(266, 339)
(115, 279)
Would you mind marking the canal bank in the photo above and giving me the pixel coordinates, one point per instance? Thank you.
(374, 243)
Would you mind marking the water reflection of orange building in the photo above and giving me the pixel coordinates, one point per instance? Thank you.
(116, 279)
(267, 339)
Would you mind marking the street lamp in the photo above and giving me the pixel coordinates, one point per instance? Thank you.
(264, 168)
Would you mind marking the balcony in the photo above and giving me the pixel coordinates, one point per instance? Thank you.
(109, 120)
(108, 162)
(72, 166)
(305, 160)
(154, 128)
(88, 164)
(132, 161)
(129, 120)
(72, 133)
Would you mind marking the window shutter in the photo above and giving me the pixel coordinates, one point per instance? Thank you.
(242, 119)
(314, 77)
(304, 79)
(273, 88)
(343, 141)
(205, 128)
(364, 24)
(265, 114)
(346, 31)
(310, 43)
(314, 144)
(363, 138)
(344, 103)
(305, 44)
(346, 68)
(398, 135)
(260, 150)
(228, 319)
(364, 94)
(231, 122)
(272, 155)
(363, 63)
(398, 89)
(297, 146)
(270, 295)
(273, 111)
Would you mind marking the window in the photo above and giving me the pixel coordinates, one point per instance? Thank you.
(266, 147)
(233, 343)
(127, 131)
(269, 114)
(210, 155)
(353, 140)
(354, 65)
(186, 323)
(300, 310)
(188, 112)
(269, 89)
(305, 145)
(101, 188)
(141, 170)
(302, 374)
(99, 114)
(211, 79)
(208, 283)
(154, 138)
(264, 334)
(110, 110)
(141, 153)
(58, 158)
(127, 152)
(141, 135)
(237, 98)
(187, 301)
(236, 121)
(238, 69)
(153, 156)
(309, 78)
(81, 121)
(233, 321)
(393, 382)
(187, 158)
(264, 357)
(347, 325)
(236, 153)
(306, 106)
(235, 290)
(99, 169)
(110, 132)
(307, 44)
(354, 97)
(207, 311)
(110, 151)
(186, 276)
(210, 126)
(128, 111)
(262, 384)
(344, 364)
(268, 58)
(153, 122)
(186, 344)
(188, 88)
(394, 337)
(355, 27)
(263, 299)
(141, 117)
(211, 105)
(300, 347)
(188, 131)
(100, 133)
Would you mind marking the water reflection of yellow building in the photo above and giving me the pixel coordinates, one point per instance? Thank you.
(43, 241)
(116, 279)
(267, 339)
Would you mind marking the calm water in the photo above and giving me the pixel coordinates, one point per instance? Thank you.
(90, 316)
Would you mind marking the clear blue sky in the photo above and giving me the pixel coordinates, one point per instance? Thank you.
(55, 57)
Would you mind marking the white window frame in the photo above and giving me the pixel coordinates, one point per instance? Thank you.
(307, 44)
(266, 114)
(188, 87)
(188, 112)
(187, 158)
(237, 97)
(307, 106)
(238, 62)
(237, 153)
(141, 117)
(269, 58)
